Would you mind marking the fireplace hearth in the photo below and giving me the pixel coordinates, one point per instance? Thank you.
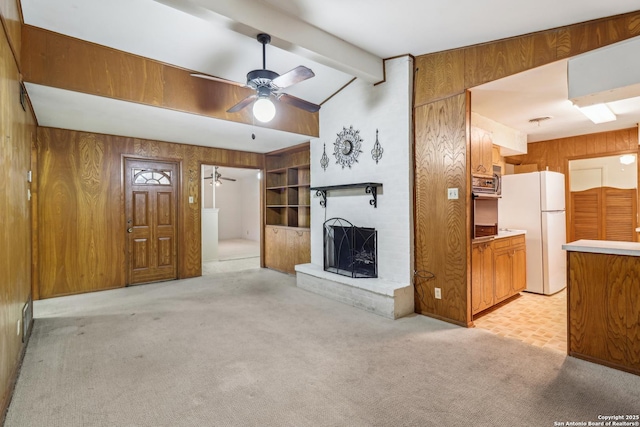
(349, 250)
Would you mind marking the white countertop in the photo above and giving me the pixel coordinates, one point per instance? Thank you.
(510, 232)
(502, 233)
(604, 247)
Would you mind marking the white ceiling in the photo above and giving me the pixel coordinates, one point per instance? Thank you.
(543, 92)
(206, 41)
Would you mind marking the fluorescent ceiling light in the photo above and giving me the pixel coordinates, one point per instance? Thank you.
(627, 159)
(598, 113)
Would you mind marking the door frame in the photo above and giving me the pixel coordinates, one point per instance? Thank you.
(262, 191)
(567, 182)
(179, 213)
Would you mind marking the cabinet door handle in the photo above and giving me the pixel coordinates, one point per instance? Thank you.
(275, 230)
(300, 233)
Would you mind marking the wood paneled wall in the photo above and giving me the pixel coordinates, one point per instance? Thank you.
(443, 74)
(556, 153)
(442, 239)
(11, 17)
(17, 131)
(81, 225)
(64, 62)
(441, 80)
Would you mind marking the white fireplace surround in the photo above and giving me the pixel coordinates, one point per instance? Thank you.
(385, 107)
(379, 296)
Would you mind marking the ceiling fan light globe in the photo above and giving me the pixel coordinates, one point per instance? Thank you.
(264, 110)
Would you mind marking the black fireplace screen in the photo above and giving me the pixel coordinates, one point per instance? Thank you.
(349, 250)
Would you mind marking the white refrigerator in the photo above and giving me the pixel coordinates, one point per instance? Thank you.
(535, 202)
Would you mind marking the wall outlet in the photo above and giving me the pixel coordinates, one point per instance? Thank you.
(18, 327)
(190, 199)
(452, 194)
(438, 293)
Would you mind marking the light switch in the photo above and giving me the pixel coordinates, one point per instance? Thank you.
(452, 194)
(190, 199)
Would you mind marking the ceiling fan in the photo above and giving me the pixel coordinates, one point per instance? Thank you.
(267, 85)
(217, 176)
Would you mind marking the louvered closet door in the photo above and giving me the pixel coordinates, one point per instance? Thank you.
(586, 209)
(619, 214)
(604, 213)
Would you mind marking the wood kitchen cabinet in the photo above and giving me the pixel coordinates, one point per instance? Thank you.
(481, 152)
(510, 267)
(498, 271)
(482, 276)
(284, 247)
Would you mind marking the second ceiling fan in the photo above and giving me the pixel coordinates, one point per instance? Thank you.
(217, 176)
(267, 85)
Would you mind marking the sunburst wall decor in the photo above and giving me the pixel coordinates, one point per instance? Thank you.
(347, 147)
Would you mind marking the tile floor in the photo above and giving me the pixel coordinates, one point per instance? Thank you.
(540, 320)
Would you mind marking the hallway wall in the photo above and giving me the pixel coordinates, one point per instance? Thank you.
(81, 241)
(17, 129)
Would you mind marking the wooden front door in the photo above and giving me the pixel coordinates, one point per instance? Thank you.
(151, 216)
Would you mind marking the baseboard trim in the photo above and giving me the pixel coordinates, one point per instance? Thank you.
(4, 405)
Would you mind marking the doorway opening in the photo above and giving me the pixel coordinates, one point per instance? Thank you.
(230, 219)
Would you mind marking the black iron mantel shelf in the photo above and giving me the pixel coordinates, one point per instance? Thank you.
(369, 188)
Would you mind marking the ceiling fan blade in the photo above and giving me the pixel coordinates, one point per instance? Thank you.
(227, 179)
(218, 79)
(242, 104)
(298, 103)
(298, 74)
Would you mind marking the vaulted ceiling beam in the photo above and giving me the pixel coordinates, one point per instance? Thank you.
(56, 60)
(288, 33)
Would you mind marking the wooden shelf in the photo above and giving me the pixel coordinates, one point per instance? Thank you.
(369, 188)
(287, 208)
(288, 197)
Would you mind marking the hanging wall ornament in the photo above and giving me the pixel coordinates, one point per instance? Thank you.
(324, 160)
(347, 147)
(377, 151)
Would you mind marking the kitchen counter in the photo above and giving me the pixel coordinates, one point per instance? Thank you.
(510, 232)
(603, 288)
(604, 247)
(502, 233)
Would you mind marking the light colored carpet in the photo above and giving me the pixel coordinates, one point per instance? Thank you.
(234, 255)
(237, 249)
(215, 267)
(250, 349)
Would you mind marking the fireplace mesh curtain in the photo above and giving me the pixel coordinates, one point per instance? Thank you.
(348, 250)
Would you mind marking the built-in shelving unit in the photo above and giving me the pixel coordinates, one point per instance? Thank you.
(288, 197)
(287, 234)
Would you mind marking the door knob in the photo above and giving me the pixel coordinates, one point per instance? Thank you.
(130, 230)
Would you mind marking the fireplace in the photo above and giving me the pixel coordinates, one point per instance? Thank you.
(349, 250)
